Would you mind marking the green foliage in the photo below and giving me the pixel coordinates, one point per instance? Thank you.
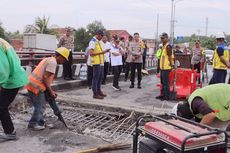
(94, 26)
(206, 42)
(3, 33)
(41, 25)
(14, 35)
(82, 38)
(83, 35)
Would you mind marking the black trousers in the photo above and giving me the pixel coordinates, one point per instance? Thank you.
(116, 74)
(89, 75)
(123, 63)
(158, 66)
(7, 96)
(106, 70)
(127, 69)
(219, 76)
(67, 67)
(144, 62)
(135, 66)
(165, 83)
(197, 68)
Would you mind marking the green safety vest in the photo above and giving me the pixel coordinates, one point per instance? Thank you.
(158, 53)
(217, 97)
(12, 75)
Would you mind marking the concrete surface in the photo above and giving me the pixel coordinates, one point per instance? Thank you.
(61, 140)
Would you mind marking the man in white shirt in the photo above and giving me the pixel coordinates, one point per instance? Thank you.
(116, 62)
(105, 47)
(89, 68)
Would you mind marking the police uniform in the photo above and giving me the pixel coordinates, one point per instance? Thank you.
(67, 42)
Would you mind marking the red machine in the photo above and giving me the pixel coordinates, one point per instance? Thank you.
(183, 82)
(169, 133)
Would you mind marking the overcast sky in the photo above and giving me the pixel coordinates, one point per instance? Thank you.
(131, 15)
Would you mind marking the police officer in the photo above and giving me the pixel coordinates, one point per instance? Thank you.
(158, 56)
(220, 61)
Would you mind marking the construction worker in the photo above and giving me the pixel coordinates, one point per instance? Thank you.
(97, 61)
(158, 56)
(39, 88)
(208, 105)
(67, 41)
(12, 78)
(198, 57)
(220, 60)
(166, 64)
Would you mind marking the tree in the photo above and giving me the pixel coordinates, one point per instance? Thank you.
(41, 25)
(94, 26)
(82, 38)
(3, 33)
(206, 42)
(14, 35)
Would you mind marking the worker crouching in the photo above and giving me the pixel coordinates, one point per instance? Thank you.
(39, 87)
(209, 105)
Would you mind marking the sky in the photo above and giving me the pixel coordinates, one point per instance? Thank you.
(131, 15)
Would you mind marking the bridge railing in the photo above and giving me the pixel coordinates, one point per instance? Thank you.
(32, 57)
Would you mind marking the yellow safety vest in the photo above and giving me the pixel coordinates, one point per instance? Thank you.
(164, 59)
(98, 59)
(217, 64)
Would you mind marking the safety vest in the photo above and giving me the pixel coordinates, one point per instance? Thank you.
(158, 53)
(164, 60)
(217, 64)
(36, 84)
(97, 59)
(218, 99)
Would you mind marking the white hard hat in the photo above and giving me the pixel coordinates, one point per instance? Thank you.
(220, 35)
(160, 45)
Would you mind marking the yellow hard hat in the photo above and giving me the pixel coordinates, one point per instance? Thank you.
(63, 52)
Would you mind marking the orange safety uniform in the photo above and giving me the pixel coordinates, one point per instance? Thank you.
(36, 83)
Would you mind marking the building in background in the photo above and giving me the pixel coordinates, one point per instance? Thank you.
(17, 44)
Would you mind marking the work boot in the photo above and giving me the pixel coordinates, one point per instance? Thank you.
(132, 85)
(139, 85)
(159, 97)
(97, 96)
(9, 137)
(101, 93)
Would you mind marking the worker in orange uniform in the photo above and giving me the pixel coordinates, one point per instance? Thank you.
(39, 88)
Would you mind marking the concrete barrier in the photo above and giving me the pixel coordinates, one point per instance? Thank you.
(76, 69)
(150, 63)
(59, 71)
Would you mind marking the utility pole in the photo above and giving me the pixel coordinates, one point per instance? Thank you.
(171, 24)
(206, 27)
(157, 34)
